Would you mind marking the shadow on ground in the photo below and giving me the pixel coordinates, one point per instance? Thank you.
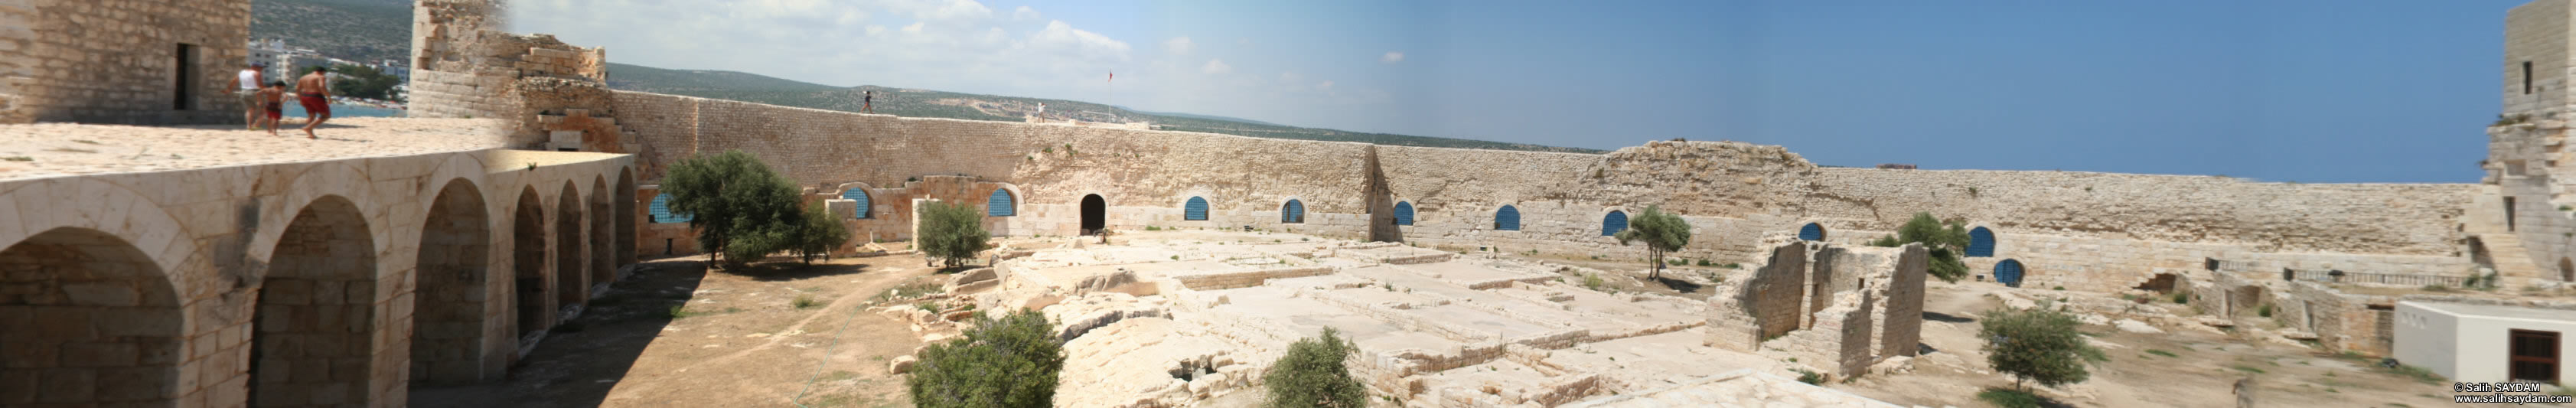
(1677, 284)
(580, 361)
(1940, 317)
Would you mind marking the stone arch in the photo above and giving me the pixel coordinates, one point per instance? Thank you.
(567, 249)
(87, 292)
(1507, 218)
(1292, 212)
(454, 268)
(528, 264)
(1614, 221)
(1404, 213)
(624, 215)
(1981, 243)
(857, 193)
(1002, 203)
(141, 223)
(1095, 214)
(602, 239)
(335, 180)
(1811, 232)
(316, 309)
(1195, 209)
(2009, 272)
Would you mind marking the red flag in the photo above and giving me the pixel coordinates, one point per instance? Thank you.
(1113, 76)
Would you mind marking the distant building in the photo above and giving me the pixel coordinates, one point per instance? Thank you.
(1896, 166)
(2486, 343)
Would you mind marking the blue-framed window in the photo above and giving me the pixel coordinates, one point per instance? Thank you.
(1001, 204)
(859, 195)
(1403, 213)
(1811, 232)
(1507, 219)
(1981, 242)
(661, 211)
(1293, 213)
(2008, 273)
(1195, 210)
(1613, 223)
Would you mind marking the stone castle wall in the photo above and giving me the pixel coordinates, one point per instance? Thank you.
(2059, 224)
(2536, 32)
(119, 61)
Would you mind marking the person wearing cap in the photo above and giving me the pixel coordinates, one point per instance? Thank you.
(246, 88)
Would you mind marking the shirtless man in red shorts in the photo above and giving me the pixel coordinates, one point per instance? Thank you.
(314, 90)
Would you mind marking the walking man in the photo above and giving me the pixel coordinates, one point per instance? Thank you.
(868, 101)
(246, 88)
(314, 90)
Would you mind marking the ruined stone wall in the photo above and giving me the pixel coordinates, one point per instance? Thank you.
(121, 61)
(454, 68)
(1734, 194)
(1764, 303)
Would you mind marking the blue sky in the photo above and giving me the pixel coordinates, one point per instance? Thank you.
(2308, 91)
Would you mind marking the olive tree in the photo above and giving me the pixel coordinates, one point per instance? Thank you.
(1661, 231)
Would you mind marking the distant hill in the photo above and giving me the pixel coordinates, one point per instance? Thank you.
(357, 30)
(747, 87)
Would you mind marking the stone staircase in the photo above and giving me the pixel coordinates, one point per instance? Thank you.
(2512, 262)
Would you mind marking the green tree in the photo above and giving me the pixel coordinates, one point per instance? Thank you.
(360, 81)
(1943, 240)
(952, 232)
(1007, 362)
(1661, 231)
(1314, 374)
(818, 233)
(2037, 345)
(741, 209)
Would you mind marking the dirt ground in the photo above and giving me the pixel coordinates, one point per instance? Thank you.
(739, 340)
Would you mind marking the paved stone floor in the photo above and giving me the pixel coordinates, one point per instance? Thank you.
(56, 149)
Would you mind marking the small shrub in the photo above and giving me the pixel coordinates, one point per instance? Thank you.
(1734, 266)
(927, 307)
(2008, 398)
(2181, 298)
(1591, 281)
(1176, 257)
(806, 302)
(96, 142)
(680, 311)
(1153, 228)
(1012, 361)
(1810, 377)
(1702, 263)
(1972, 191)
(2058, 288)
(2246, 368)
(2264, 311)
(18, 158)
(1313, 374)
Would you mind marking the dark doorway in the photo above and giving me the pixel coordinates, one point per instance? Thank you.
(2508, 214)
(2534, 356)
(1095, 214)
(187, 71)
(2007, 272)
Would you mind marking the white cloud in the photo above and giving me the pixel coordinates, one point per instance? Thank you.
(915, 28)
(1290, 76)
(1325, 85)
(875, 29)
(1024, 13)
(937, 10)
(1392, 57)
(1178, 45)
(1214, 67)
(1062, 37)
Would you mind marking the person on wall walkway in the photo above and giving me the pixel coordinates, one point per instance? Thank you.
(314, 90)
(246, 88)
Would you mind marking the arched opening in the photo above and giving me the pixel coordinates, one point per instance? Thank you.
(858, 197)
(1294, 212)
(602, 239)
(1404, 213)
(1981, 242)
(316, 309)
(528, 263)
(661, 212)
(1095, 214)
(83, 292)
(1811, 232)
(447, 312)
(625, 217)
(1194, 210)
(568, 249)
(1001, 204)
(2008, 273)
(1613, 223)
(1507, 219)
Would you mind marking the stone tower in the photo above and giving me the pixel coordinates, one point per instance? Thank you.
(2518, 225)
(122, 61)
